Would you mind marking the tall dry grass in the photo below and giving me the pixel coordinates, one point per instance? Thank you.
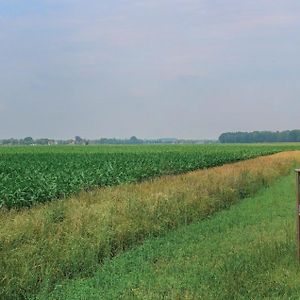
(41, 246)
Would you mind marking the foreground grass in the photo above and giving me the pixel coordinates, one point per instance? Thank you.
(246, 252)
(47, 244)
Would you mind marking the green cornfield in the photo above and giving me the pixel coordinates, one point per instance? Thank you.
(30, 175)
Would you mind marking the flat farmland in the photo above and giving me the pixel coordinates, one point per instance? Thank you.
(30, 175)
(48, 244)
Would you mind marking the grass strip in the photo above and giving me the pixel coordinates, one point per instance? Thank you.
(246, 252)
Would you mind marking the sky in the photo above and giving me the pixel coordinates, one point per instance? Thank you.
(149, 68)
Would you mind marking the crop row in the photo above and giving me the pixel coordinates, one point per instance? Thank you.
(30, 176)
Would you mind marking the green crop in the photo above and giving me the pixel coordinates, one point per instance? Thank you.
(30, 175)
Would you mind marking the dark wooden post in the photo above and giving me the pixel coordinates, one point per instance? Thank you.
(298, 212)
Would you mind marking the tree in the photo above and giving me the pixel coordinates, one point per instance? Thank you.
(28, 141)
(133, 140)
(78, 140)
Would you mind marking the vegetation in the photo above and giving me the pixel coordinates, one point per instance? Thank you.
(102, 141)
(246, 252)
(260, 137)
(43, 246)
(29, 175)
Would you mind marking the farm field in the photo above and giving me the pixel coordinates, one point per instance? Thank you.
(246, 252)
(149, 149)
(45, 245)
(30, 175)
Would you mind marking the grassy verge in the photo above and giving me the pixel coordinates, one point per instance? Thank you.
(246, 252)
(49, 243)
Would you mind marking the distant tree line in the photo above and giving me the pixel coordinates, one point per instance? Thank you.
(102, 141)
(114, 141)
(27, 141)
(135, 140)
(260, 137)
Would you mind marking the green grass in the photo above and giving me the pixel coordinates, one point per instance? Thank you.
(245, 252)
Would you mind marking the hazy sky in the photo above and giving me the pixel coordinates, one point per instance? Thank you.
(150, 68)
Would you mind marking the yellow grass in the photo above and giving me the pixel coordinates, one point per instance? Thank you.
(61, 239)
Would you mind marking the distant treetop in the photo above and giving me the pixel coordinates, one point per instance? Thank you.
(110, 141)
(260, 137)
